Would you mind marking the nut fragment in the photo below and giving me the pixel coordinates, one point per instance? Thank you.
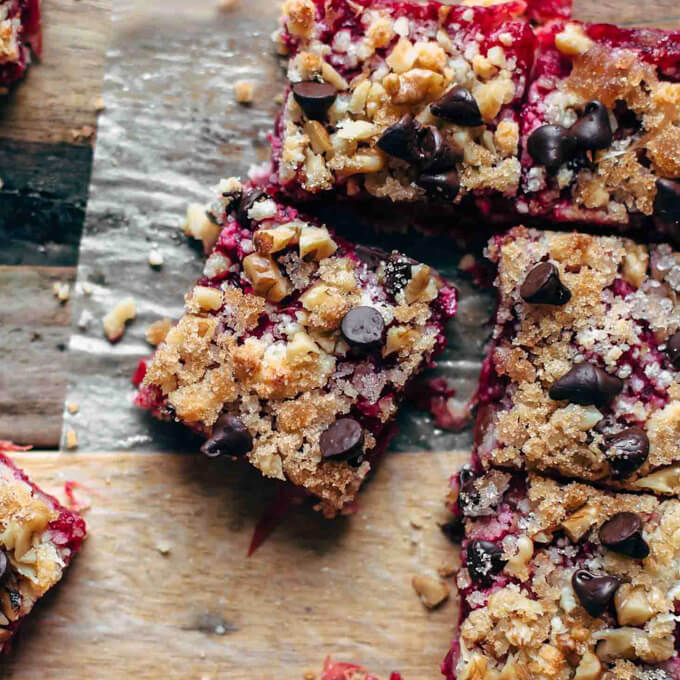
(475, 668)
(573, 41)
(266, 278)
(61, 290)
(199, 226)
(517, 565)
(666, 480)
(423, 285)
(71, 439)
(114, 322)
(632, 606)
(316, 243)
(156, 332)
(244, 90)
(589, 668)
(432, 591)
(399, 338)
(632, 643)
(514, 670)
(318, 137)
(272, 240)
(208, 299)
(635, 264)
(578, 523)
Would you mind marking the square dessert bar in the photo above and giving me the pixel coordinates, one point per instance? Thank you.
(296, 347)
(601, 127)
(38, 539)
(582, 379)
(564, 581)
(402, 100)
(19, 28)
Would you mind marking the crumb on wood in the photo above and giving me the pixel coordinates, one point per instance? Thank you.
(82, 134)
(71, 439)
(99, 104)
(432, 591)
(156, 332)
(61, 290)
(72, 407)
(163, 547)
(198, 225)
(244, 90)
(114, 322)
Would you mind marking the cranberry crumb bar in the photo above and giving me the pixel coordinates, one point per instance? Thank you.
(561, 581)
(296, 347)
(601, 126)
(402, 100)
(38, 539)
(19, 28)
(582, 379)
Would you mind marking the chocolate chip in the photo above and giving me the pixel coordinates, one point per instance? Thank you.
(248, 199)
(314, 97)
(623, 534)
(484, 560)
(230, 437)
(438, 156)
(444, 184)
(543, 286)
(595, 593)
(363, 327)
(458, 106)
(402, 140)
(667, 200)
(397, 273)
(627, 450)
(673, 349)
(586, 384)
(592, 130)
(344, 439)
(3, 563)
(466, 475)
(551, 145)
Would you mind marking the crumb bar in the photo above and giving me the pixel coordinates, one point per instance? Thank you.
(601, 127)
(19, 29)
(404, 101)
(38, 539)
(562, 581)
(296, 346)
(582, 377)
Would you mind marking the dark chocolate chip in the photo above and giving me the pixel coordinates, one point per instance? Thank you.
(344, 439)
(443, 184)
(623, 534)
(592, 130)
(3, 563)
(397, 273)
(248, 199)
(595, 593)
(543, 286)
(458, 106)
(466, 475)
(363, 327)
(627, 450)
(484, 560)
(673, 349)
(438, 156)
(402, 140)
(551, 146)
(586, 384)
(667, 200)
(314, 97)
(230, 437)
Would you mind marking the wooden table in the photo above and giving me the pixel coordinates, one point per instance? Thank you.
(163, 587)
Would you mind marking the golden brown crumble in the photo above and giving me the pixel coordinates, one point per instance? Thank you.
(535, 431)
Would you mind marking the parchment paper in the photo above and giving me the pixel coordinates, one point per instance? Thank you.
(171, 128)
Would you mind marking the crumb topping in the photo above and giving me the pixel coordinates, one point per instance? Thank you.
(620, 317)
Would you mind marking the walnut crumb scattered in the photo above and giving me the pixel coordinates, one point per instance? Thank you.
(61, 290)
(114, 322)
(245, 90)
(432, 591)
(72, 407)
(71, 439)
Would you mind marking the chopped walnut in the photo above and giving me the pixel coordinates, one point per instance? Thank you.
(114, 322)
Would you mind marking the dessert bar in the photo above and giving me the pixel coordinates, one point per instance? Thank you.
(296, 347)
(405, 101)
(565, 581)
(19, 29)
(582, 377)
(38, 539)
(600, 127)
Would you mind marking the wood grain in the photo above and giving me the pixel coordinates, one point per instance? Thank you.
(33, 339)
(205, 610)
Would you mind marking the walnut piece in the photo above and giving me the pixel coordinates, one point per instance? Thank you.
(114, 322)
(432, 591)
(266, 277)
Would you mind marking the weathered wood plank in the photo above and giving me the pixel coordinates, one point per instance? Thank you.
(34, 335)
(205, 610)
